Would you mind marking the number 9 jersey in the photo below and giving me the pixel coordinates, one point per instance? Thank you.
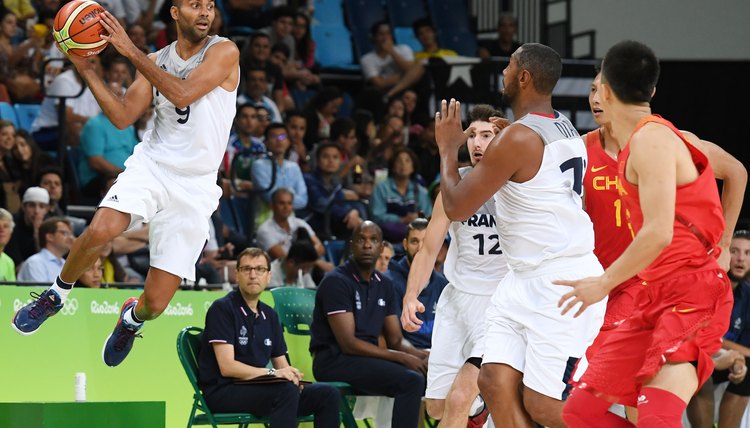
(543, 218)
(191, 140)
(475, 262)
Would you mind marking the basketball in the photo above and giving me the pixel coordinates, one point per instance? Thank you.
(77, 29)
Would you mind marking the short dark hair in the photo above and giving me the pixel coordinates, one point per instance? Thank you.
(483, 113)
(283, 12)
(543, 63)
(275, 125)
(50, 226)
(416, 224)
(281, 47)
(376, 26)
(419, 23)
(244, 106)
(49, 170)
(258, 35)
(631, 69)
(279, 191)
(294, 113)
(302, 251)
(254, 252)
(341, 126)
(324, 146)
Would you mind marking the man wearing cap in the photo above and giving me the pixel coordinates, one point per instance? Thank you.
(55, 238)
(25, 239)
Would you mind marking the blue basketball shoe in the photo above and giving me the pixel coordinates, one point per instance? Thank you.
(120, 342)
(29, 318)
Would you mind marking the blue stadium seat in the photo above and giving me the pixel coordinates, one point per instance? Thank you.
(228, 216)
(450, 15)
(329, 12)
(403, 13)
(346, 107)
(226, 17)
(7, 112)
(361, 15)
(461, 41)
(334, 47)
(334, 250)
(26, 114)
(301, 97)
(405, 36)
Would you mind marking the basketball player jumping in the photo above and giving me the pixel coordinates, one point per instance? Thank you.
(661, 353)
(475, 265)
(535, 169)
(170, 180)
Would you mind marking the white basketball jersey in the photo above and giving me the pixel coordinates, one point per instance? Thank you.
(475, 262)
(543, 218)
(190, 140)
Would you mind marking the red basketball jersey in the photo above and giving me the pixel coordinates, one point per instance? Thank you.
(699, 220)
(603, 204)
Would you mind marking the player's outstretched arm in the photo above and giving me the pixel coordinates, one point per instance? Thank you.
(653, 162)
(504, 155)
(423, 265)
(122, 110)
(220, 67)
(734, 179)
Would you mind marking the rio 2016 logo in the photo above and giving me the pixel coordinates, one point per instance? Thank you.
(69, 308)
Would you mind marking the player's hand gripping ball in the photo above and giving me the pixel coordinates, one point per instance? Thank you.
(77, 29)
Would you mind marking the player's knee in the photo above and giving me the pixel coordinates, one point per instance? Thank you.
(491, 388)
(461, 398)
(435, 408)
(542, 411)
(659, 408)
(99, 233)
(580, 407)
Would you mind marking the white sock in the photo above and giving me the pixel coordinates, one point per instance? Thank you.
(62, 292)
(476, 406)
(129, 318)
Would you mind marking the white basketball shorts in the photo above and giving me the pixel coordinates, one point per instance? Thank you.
(177, 207)
(526, 331)
(458, 334)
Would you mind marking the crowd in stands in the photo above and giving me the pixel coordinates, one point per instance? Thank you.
(340, 155)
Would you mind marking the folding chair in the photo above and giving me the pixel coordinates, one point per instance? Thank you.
(295, 309)
(188, 349)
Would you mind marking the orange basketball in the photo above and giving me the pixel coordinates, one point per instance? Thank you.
(77, 29)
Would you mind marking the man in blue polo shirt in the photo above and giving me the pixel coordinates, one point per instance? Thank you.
(398, 272)
(242, 335)
(354, 305)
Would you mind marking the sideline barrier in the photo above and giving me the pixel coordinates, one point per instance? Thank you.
(83, 415)
(42, 367)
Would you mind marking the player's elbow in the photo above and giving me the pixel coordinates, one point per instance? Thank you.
(661, 237)
(456, 212)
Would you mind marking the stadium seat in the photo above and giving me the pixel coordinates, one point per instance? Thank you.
(301, 97)
(361, 15)
(7, 112)
(26, 114)
(461, 41)
(329, 12)
(403, 13)
(405, 36)
(228, 215)
(334, 250)
(295, 309)
(334, 47)
(232, 30)
(188, 349)
(449, 15)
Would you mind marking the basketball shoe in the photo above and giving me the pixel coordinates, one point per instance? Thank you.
(120, 342)
(29, 318)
